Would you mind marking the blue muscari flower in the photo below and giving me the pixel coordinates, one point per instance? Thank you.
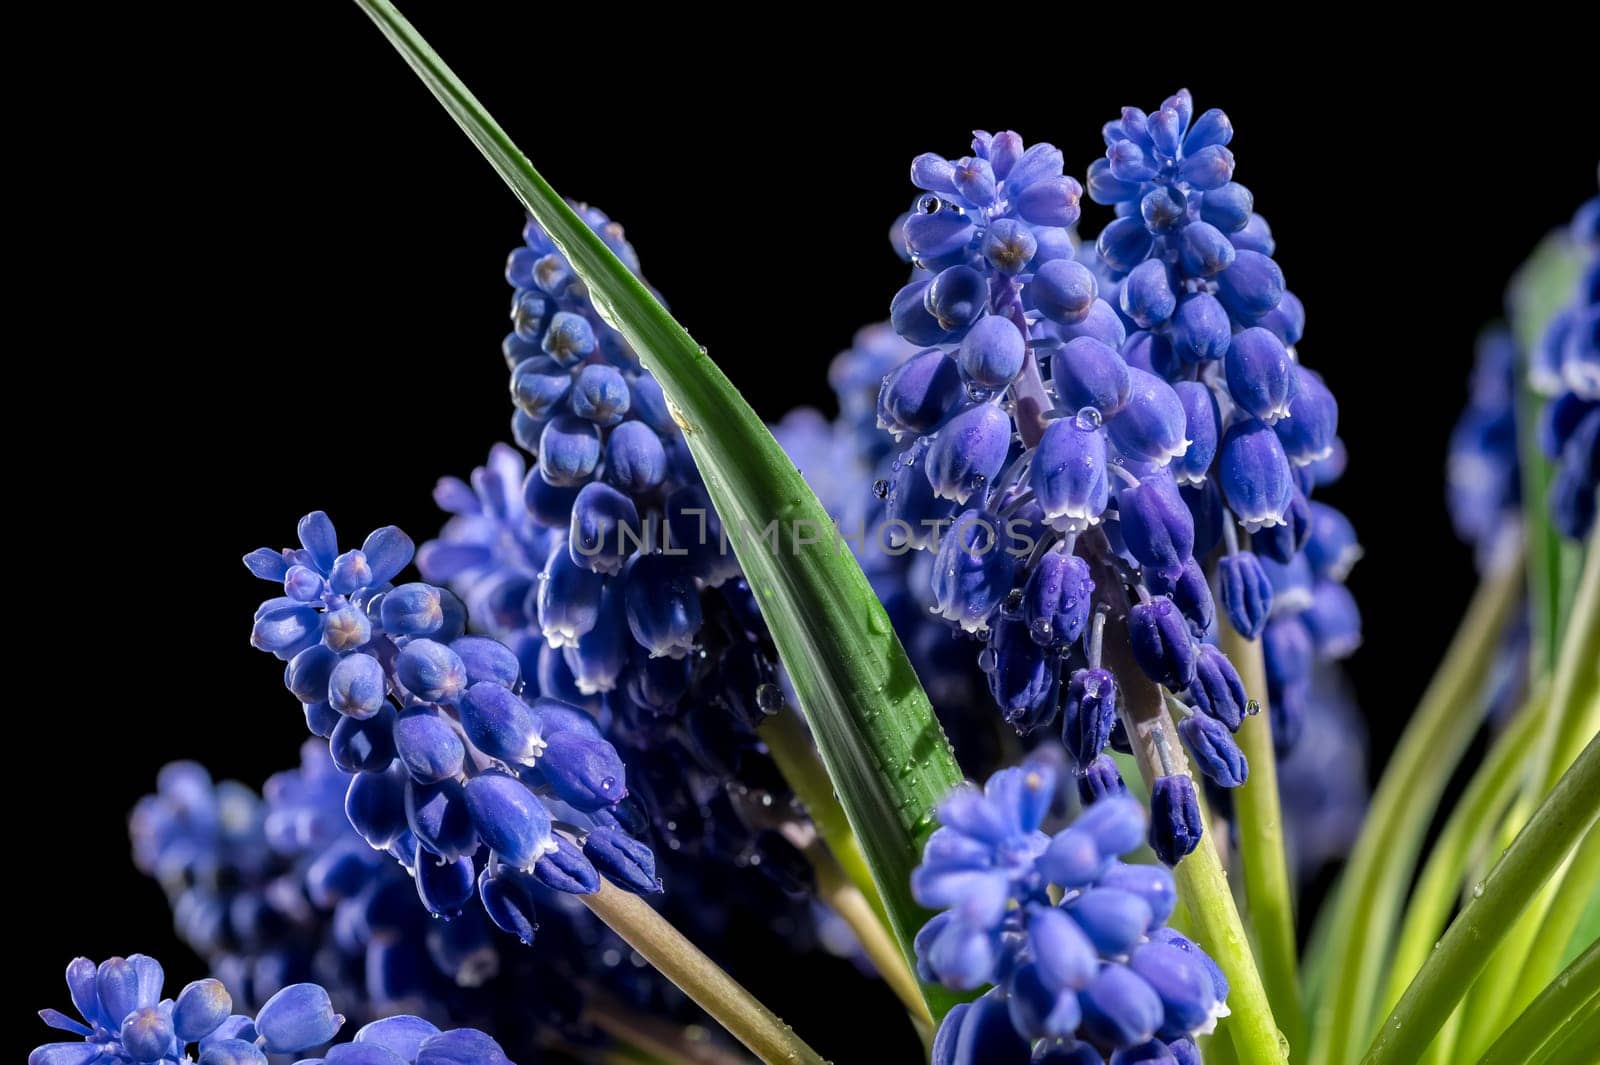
(1565, 368)
(424, 789)
(124, 1018)
(1094, 973)
(1175, 824)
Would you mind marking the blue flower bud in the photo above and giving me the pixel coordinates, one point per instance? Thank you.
(1068, 1054)
(584, 771)
(605, 529)
(1100, 780)
(1106, 188)
(1255, 474)
(569, 450)
(297, 1018)
(1063, 953)
(910, 317)
(346, 628)
(1102, 323)
(1287, 320)
(1202, 426)
(600, 394)
(1129, 162)
(307, 674)
(201, 1007)
(1201, 330)
(1057, 598)
(565, 869)
(375, 806)
(938, 235)
(1159, 637)
(461, 1046)
(415, 609)
(1283, 542)
(1182, 983)
(1088, 712)
(431, 671)
(1156, 524)
(146, 1034)
(1251, 287)
(1117, 825)
(973, 570)
(1209, 168)
(1227, 207)
(526, 431)
(401, 1034)
(974, 180)
(1331, 547)
(1187, 587)
(357, 686)
(600, 655)
(1152, 883)
(1217, 690)
(663, 605)
(1008, 246)
(427, 745)
(1286, 645)
(956, 298)
(624, 860)
(987, 1036)
(1333, 620)
(943, 1051)
(231, 1052)
(1147, 294)
(1113, 920)
(917, 395)
(635, 460)
(1308, 432)
(969, 452)
(303, 584)
(913, 515)
(568, 601)
(317, 536)
(443, 884)
(1214, 750)
(1175, 825)
(508, 899)
(439, 818)
(1246, 593)
(1068, 474)
(1088, 373)
(1150, 427)
(933, 172)
(1124, 244)
(510, 820)
(1037, 1010)
(1063, 291)
(1119, 1008)
(1023, 680)
(992, 352)
(1203, 250)
(1256, 236)
(539, 387)
(1051, 202)
(1041, 162)
(285, 628)
(1163, 209)
(569, 339)
(1262, 378)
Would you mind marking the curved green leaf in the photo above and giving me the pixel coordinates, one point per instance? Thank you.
(886, 753)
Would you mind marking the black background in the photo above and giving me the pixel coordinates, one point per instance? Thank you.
(270, 281)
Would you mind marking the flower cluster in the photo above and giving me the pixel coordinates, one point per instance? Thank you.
(1084, 974)
(1566, 368)
(452, 754)
(125, 1019)
(1085, 430)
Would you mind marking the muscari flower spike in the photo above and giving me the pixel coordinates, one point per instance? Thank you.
(1072, 940)
(1138, 406)
(1565, 368)
(125, 1019)
(458, 764)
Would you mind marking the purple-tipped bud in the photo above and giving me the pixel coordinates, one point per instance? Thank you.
(1181, 982)
(956, 298)
(565, 869)
(297, 1018)
(1156, 525)
(1147, 294)
(605, 529)
(1217, 691)
(1203, 250)
(1037, 1010)
(1214, 750)
(969, 452)
(1008, 246)
(431, 671)
(1088, 373)
(917, 395)
(1119, 1008)
(1088, 713)
(1063, 291)
(623, 860)
(1102, 323)
(972, 573)
(1150, 428)
(1262, 378)
(1159, 636)
(1201, 330)
(583, 770)
(1113, 920)
(1068, 474)
(539, 386)
(1152, 883)
(439, 818)
(663, 605)
(501, 725)
(443, 885)
(1023, 680)
(1051, 202)
(1255, 474)
(1175, 825)
(357, 686)
(1057, 598)
(569, 450)
(910, 317)
(1246, 593)
(1124, 244)
(427, 745)
(1100, 780)
(635, 460)
(992, 352)
(510, 819)
(1251, 287)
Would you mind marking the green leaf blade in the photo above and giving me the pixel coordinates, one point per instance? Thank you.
(888, 757)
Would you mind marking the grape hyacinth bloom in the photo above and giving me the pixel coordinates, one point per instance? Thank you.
(1482, 479)
(124, 1018)
(1138, 408)
(460, 772)
(1565, 369)
(1072, 940)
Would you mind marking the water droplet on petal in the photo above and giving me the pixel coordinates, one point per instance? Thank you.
(1088, 419)
(987, 659)
(769, 698)
(880, 488)
(1253, 707)
(1013, 601)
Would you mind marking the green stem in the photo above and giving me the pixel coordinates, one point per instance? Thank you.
(1575, 690)
(1493, 788)
(713, 990)
(1548, 1012)
(1201, 882)
(874, 727)
(1268, 896)
(1572, 890)
(1539, 848)
(1574, 1044)
(1380, 866)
